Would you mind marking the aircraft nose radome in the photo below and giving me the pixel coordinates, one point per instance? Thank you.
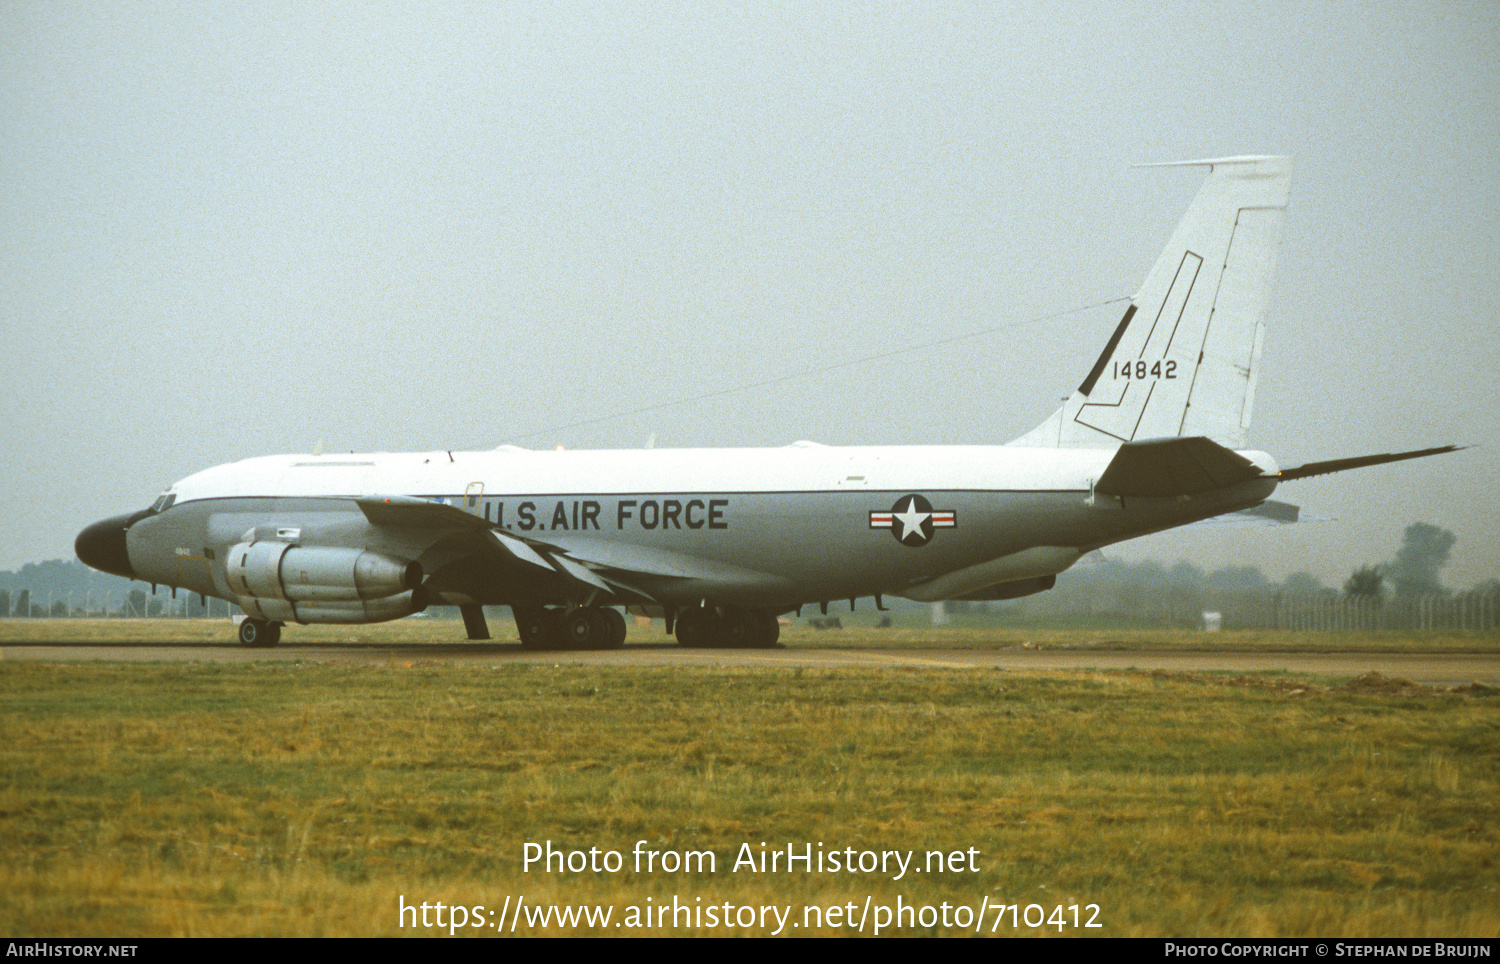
(102, 546)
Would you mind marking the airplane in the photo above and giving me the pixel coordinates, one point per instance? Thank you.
(719, 542)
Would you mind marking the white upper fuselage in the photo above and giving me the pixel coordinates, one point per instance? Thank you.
(801, 467)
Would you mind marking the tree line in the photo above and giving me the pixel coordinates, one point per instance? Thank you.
(1405, 591)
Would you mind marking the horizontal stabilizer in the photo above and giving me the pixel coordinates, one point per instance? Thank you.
(1173, 466)
(1268, 513)
(1343, 465)
(1271, 512)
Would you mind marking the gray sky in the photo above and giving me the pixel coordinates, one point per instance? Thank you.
(239, 229)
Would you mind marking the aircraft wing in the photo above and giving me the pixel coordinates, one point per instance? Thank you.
(408, 511)
(615, 568)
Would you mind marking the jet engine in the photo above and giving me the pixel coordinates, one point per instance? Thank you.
(361, 611)
(280, 582)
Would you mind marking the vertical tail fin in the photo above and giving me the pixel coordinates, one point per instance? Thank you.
(1183, 359)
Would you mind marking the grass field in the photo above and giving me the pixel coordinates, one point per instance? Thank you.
(298, 798)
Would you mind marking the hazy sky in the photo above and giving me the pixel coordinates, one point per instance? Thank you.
(240, 229)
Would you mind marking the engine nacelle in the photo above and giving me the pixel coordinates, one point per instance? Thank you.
(320, 574)
(360, 611)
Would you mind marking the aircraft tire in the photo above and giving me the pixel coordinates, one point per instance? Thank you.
(537, 628)
(768, 630)
(585, 629)
(738, 629)
(697, 627)
(259, 633)
(749, 629)
(615, 638)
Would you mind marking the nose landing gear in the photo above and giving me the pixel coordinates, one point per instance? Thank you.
(259, 633)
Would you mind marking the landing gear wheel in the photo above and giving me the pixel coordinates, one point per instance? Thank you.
(615, 637)
(749, 629)
(537, 629)
(739, 629)
(259, 633)
(585, 629)
(697, 627)
(768, 630)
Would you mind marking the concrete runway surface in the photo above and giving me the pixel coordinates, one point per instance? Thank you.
(1429, 669)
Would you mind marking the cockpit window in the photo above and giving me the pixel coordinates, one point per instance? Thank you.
(164, 502)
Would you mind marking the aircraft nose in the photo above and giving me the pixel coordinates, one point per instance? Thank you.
(102, 546)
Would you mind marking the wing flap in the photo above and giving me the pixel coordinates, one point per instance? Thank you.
(569, 567)
(519, 549)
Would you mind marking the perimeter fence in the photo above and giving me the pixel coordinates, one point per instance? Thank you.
(1271, 609)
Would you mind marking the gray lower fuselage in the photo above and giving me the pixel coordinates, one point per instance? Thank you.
(770, 550)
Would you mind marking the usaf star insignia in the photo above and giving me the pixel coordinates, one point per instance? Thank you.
(912, 520)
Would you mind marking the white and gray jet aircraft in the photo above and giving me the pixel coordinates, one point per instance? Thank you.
(721, 541)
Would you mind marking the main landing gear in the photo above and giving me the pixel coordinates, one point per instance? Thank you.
(259, 633)
(587, 627)
(730, 628)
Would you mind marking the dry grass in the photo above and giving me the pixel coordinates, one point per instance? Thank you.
(299, 799)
